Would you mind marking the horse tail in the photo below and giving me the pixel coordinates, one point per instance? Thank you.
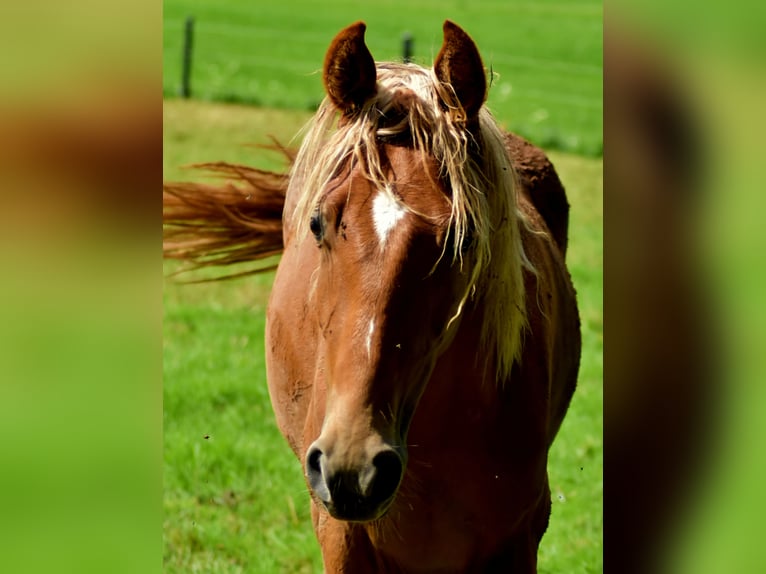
(217, 225)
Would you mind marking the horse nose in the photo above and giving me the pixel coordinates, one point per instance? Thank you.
(357, 493)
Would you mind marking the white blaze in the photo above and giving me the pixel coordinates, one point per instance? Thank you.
(386, 213)
(370, 331)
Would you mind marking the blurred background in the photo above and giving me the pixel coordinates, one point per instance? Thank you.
(80, 307)
(683, 287)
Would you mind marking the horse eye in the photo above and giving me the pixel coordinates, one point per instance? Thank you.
(467, 242)
(316, 226)
(465, 246)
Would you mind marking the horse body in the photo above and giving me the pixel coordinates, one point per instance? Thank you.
(421, 452)
(422, 336)
(475, 496)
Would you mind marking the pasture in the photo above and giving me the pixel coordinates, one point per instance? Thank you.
(235, 499)
(546, 55)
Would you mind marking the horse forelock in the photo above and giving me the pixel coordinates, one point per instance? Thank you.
(479, 180)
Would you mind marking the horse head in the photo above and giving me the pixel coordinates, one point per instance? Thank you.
(391, 183)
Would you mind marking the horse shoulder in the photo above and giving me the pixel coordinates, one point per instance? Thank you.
(541, 184)
(553, 342)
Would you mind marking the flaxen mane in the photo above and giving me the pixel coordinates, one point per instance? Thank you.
(484, 219)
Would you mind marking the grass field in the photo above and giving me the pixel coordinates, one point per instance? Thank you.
(546, 55)
(235, 499)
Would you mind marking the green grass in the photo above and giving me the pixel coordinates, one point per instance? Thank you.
(236, 501)
(234, 494)
(547, 55)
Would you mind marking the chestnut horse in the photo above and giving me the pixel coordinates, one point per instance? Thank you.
(422, 336)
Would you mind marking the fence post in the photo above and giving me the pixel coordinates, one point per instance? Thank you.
(407, 42)
(185, 91)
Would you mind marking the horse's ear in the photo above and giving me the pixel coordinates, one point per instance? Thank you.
(459, 65)
(349, 70)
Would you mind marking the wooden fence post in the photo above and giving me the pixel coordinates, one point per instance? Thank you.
(407, 42)
(185, 91)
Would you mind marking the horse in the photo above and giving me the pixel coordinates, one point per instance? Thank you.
(422, 336)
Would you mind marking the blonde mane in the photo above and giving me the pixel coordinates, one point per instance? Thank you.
(483, 188)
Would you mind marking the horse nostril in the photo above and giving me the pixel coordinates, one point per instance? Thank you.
(388, 473)
(314, 473)
(312, 460)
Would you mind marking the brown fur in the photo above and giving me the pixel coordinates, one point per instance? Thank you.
(539, 180)
(348, 51)
(459, 66)
(377, 369)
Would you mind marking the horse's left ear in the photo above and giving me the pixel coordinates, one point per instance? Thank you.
(459, 65)
(349, 70)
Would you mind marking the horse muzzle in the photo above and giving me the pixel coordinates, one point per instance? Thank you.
(355, 492)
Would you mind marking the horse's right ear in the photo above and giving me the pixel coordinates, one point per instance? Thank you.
(459, 65)
(349, 70)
